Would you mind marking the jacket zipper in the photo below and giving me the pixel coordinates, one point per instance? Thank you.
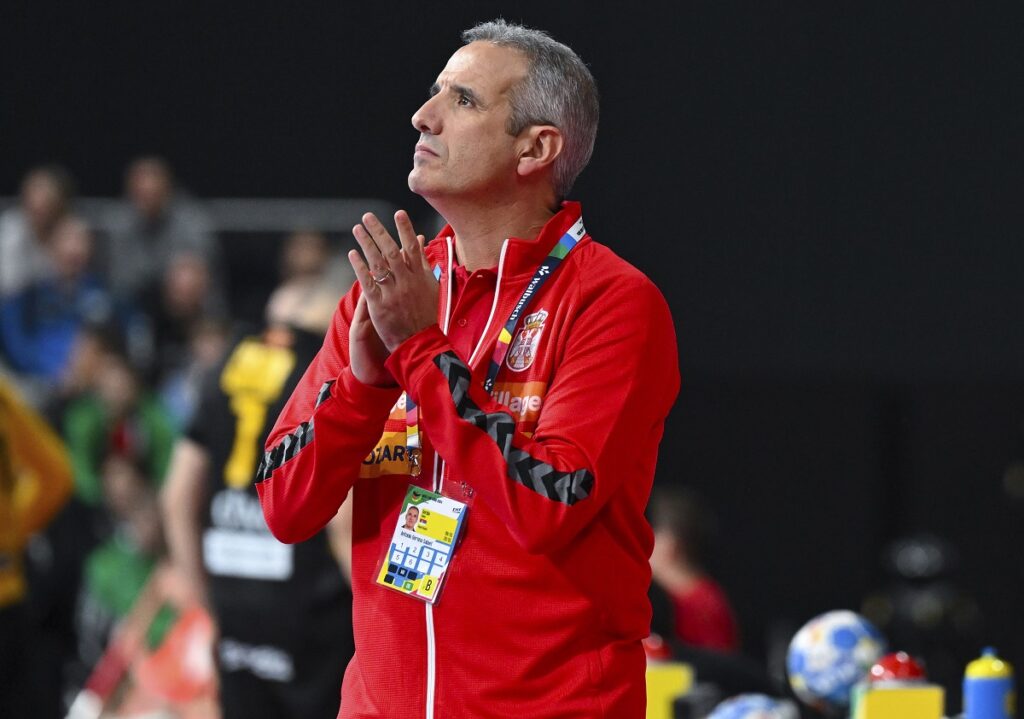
(439, 465)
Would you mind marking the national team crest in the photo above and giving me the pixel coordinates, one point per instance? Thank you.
(524, 346)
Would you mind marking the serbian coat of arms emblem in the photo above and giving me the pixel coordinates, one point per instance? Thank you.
(524, 346)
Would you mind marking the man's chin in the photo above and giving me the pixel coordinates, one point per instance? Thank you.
(415, 182)
(420, 185)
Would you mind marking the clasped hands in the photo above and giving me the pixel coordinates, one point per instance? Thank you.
(399, 295)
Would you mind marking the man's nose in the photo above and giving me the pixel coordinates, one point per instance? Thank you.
(426, 120)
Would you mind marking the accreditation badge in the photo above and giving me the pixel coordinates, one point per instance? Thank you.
(426, 535)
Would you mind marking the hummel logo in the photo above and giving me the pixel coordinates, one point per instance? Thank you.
(543, 270)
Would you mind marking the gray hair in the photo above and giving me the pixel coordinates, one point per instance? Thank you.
(558, 90)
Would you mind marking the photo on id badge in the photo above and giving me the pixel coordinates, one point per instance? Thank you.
(426, 532)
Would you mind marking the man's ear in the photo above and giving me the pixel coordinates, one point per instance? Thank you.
(540, 145)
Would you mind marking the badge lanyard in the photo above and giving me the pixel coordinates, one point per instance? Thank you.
(546, 269)
(413, 448)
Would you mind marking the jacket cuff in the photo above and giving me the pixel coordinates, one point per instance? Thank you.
(415, 357)
(373, 400)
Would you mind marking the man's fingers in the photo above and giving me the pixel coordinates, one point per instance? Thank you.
(384, 258)
(361, 314)
(407, 235)
(386, 244)
(374, 259)
(362, 273)
(421, 241)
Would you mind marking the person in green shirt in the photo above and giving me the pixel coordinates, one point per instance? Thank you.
(117, 417)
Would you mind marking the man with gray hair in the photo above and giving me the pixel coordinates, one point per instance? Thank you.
(510, 379)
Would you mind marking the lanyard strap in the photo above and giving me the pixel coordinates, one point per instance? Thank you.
(546, 269)
(413, 447)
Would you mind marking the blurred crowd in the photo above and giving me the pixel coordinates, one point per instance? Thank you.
(106, 332)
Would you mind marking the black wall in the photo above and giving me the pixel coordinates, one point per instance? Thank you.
(828, 195)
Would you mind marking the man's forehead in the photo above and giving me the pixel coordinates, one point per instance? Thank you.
(484, 66)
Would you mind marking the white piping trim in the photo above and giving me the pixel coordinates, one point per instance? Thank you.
(438, 470)
(494, 303)
(438, 480)
(431, 662)
(448, 301)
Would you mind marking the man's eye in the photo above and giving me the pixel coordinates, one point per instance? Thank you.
(465, 101)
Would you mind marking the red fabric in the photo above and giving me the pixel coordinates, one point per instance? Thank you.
(472, 298)
(545, 604)
(704, 618)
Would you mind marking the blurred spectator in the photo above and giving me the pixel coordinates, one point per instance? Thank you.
(179, 390)
(157, 225)
(683, 532)
(57, 555)
(40, 322)
(178, 307)
(305, 254)
(118, 416)
(35, 481)
(92, 344)
(116, 571)
(220, 543)
(312, 281)
(25, 230)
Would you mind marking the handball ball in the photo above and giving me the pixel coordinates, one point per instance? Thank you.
(754, 706)
(829, 655)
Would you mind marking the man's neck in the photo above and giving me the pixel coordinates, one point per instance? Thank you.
(481, 231)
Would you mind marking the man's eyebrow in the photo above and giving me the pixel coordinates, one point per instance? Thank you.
(458, 90)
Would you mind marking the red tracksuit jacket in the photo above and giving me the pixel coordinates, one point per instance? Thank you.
(545, 602)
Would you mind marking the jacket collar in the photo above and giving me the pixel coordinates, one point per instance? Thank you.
(523, 255)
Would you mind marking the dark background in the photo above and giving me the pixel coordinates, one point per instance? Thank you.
(828, 195)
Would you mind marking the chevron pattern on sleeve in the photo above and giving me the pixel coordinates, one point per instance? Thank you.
(542, 478)
(292, 443)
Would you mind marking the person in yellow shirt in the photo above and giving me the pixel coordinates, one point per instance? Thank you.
(35, 482)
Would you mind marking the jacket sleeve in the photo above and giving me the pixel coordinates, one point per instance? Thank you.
(328, 426)
(612, 387)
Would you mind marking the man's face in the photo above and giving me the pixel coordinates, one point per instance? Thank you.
(149, 188)
(412, 516)
(71, 249)
(464, 149)
(41, 199)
